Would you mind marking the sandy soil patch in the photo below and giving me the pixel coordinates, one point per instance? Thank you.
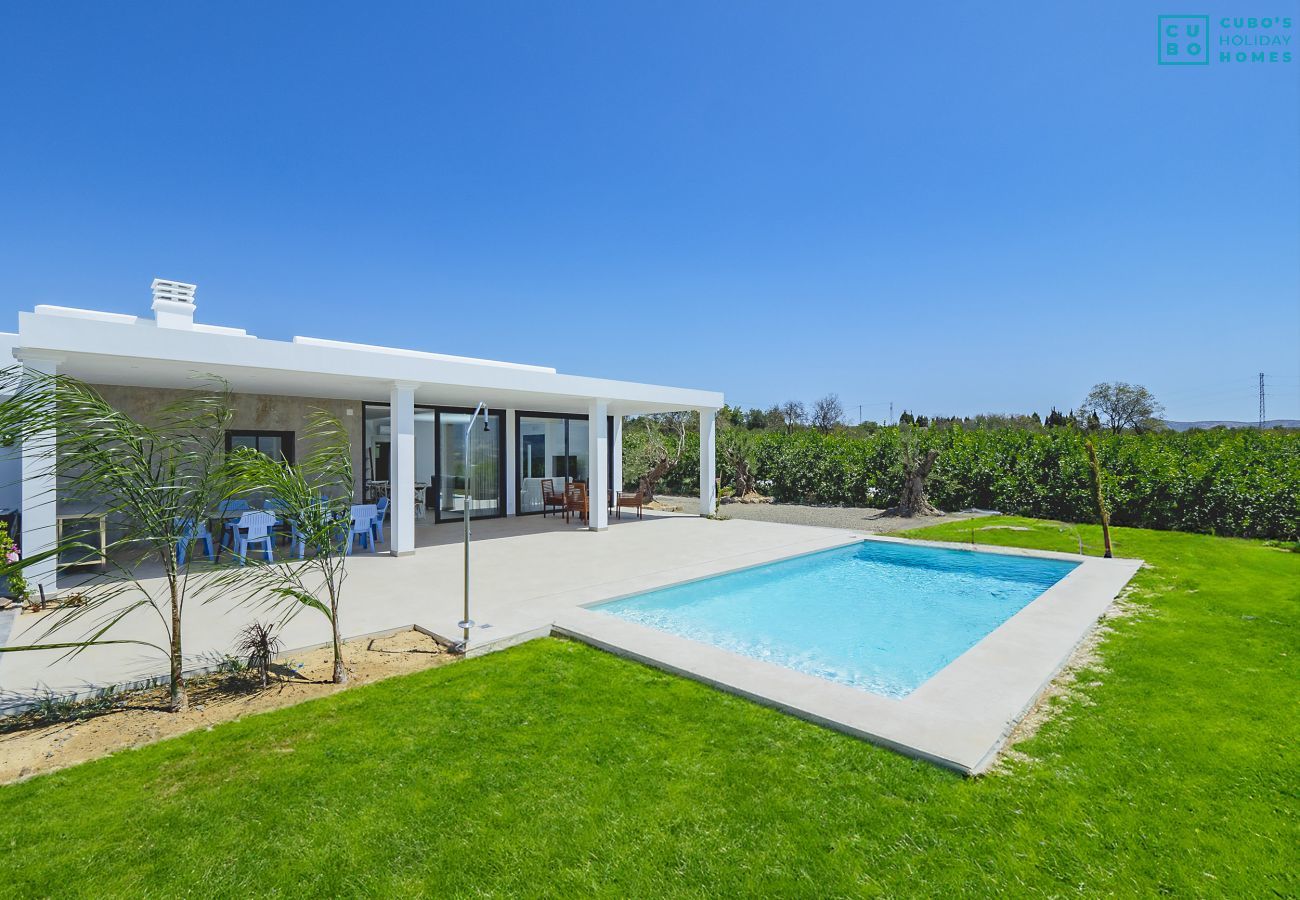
(31, 744)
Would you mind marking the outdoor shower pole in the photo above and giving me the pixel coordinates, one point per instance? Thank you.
(466, 624)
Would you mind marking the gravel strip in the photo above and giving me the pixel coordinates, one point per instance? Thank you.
(857, 518)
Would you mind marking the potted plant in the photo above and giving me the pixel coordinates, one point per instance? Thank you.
(12, 583)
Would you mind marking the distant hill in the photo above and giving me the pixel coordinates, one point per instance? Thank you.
(1223, 423)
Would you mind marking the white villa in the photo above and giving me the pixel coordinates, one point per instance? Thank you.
(407, 411)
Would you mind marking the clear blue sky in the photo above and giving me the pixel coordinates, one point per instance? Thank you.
(955, 207)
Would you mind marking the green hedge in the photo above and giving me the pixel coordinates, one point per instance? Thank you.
(1240, 483)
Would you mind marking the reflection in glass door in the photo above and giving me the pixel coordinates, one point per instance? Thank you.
(377, 450)
(579, 451)
(483, 490)
(542, 455)
(553, 447)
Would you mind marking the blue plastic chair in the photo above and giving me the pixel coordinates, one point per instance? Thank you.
(228, 523)
(254, 528)
(297, 541)
(192, 531)
(363, 515)
(377, 524)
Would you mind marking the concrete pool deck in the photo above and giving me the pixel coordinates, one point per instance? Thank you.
(536, 576)
(526, 571)
(960, 718)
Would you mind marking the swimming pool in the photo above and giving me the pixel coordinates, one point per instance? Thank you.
(880, 616)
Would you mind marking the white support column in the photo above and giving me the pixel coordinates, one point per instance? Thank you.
(616, 473)
(39, 503)
(598, 465)
(402, 467)
(512, 463)
(708, 461)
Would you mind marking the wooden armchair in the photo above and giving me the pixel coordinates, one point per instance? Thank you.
(631, 500)
(550, 499)
(575, 500)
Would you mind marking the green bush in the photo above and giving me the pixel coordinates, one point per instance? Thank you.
(1240, 483)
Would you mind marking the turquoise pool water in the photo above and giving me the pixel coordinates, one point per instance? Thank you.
(879, 616)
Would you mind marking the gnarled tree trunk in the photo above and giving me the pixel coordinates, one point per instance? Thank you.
(647, 482)
(743, 480)
(745, 483)
(665, 459)
(913, 502)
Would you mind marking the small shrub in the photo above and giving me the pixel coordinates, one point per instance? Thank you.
(231, 665)
(260, 644)
(54, 708)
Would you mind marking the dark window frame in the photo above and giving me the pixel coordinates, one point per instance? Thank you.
(288, 442)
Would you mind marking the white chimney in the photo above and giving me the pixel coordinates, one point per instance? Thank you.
(173, 304)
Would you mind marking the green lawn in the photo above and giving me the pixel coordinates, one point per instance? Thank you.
(553, 768)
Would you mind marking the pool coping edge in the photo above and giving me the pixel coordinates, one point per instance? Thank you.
(960, 718)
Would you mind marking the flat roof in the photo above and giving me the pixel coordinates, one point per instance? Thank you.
(112, 348)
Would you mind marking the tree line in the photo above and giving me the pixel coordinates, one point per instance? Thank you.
(1112, 407)
(1241, 483)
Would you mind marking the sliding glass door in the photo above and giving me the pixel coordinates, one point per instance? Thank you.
(543, 454)
(483, 485)
(554, 447)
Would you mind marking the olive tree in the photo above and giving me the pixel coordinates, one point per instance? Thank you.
(916, 466)
(736, 449)
(660, 450)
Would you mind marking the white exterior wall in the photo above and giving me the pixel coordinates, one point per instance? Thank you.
(512, 463)
(402, 467)
(616, 473)
(598, 462)
(39, 506)
(708, 462)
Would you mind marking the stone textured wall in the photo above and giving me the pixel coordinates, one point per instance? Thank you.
(255, 412)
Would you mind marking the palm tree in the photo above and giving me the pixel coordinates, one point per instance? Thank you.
(155, 482)
(315, 497)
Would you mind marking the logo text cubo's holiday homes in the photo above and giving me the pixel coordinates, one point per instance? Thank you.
(1198, 40)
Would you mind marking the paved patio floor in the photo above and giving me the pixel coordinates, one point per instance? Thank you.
(533, 576)
(526, 572)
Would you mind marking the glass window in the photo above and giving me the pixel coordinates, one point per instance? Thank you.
(275, 444)
(376, 457)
